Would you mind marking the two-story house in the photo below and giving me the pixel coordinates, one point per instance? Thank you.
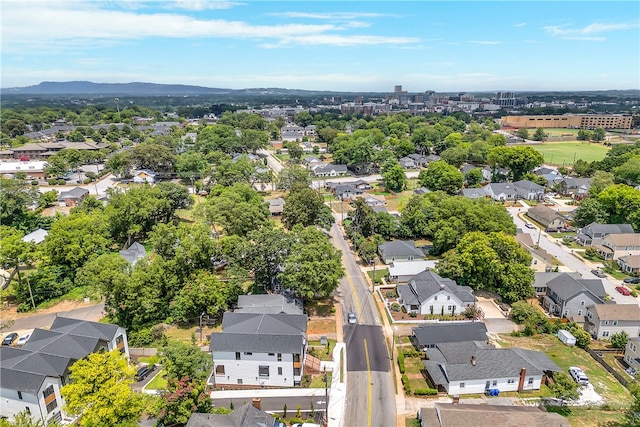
(604, 320)
(529, 190)
(31, 376)
(472, 367)
(428, 293)
(616, 245)
(594, 233)
(544, 277)
(260, 348)
(569, 297)
(632, 353)
(575, 187)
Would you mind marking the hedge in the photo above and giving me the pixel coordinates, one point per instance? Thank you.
(401, 362)
(425, 392)
(405, 383)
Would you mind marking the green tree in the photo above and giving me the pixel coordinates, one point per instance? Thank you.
(190, 247)
(600, 181)
(314, 265)
(583, 338)
(394, 177)
(629, 171)
(622, 203)
(598, 135)
(192, 165)
(293, 176)
(620, 339)
(22, 419)
(203, 293)
(295, 151)
(266, 251)
(14, 251)
(229, 172)
(590, 210)
(539, 135)
(99, 390)
(118, 163)
(16, 196)
(156, 157)
(238, 209)
(107, 273)
(457, 155)
(182, 398)
(564, 388)
(519, 159)
(522, 133)
(474, 178)
(182, 360)
(441, 176)
(306, 207)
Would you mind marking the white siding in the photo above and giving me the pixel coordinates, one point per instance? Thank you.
(247, 369)
(503, 384)
(440, 300)
(11, 404)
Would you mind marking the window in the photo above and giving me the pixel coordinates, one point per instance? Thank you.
(220, 370)
(435, 298)
(279, 370)
(448, 297)
(263, 371)
(296, 357)
(237, 355)
(240, 381)
(530, 380)
(461, 385)
(52, 405)
(272, 354)
(494, 383)
(296, 371)
(579, 312)
(120, 343)
(581, 302)
(20, 395)
(248, 353)
(615, 322)
(279, 357)
(605, 334)
(606, 322)
(511, 381)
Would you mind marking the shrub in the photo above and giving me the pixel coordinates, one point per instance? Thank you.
(413, 353)
(413, 314)
(52, 182)
(405, 384)
(391, 294)
(401, 362)
(396, 307)
(425, 392)
(34, 182)
(61, 181)
(87, 181)
(619, 340)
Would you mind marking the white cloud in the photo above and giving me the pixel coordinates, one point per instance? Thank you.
(520, 24)
(332, 15)
(589, 32)
(202, 4)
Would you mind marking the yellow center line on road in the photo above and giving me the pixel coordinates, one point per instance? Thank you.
(369, 386)
(353, 291)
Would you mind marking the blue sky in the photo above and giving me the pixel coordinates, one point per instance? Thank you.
(325, 45)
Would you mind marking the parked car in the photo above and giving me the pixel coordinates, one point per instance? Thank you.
(529, 225)
(23, 340)
(9, 339)
(352, 319)
(598, 273)
(632, 280)
(551, 230)
(623, 290)
(142, 373)
(578, 375)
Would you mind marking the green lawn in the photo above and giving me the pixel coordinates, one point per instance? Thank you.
(316, 349)
(563, 153)
(159, 382)
(317, 381)
(603, 382)
(379, 274)
(588, 417)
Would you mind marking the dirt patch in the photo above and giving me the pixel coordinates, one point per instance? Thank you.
(11, 312)
(321, 326)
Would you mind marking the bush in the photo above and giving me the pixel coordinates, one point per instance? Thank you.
(61, 181)
(34, 182)
(405, 384)
(52, 182)
(87, 181)
(391, 294)
(396, 307)
(425, 392)
(619, 340)
(413, 314)
(401, 362)
(413, 353)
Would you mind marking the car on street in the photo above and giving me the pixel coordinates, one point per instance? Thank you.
(632, 280)
(598, 273)
(352, 319)
(9, 339)
(623, 290)
(23, 340)
(529, 225)
(578, 375)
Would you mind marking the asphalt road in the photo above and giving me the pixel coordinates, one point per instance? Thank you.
(272, 162)
(370, 395)
(92, 313)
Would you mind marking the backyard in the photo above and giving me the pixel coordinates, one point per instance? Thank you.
(565, 153)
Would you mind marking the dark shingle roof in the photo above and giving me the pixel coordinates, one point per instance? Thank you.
(74, 193)
(428, 283)
(437, 333)
(448, 414)
(267, 304)
(567, 287)
(20, 381)
(256, 343)
(245, 416)
(84, 328)
(400, 248)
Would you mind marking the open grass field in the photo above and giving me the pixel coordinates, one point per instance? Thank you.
(564, 153)
(603, 382)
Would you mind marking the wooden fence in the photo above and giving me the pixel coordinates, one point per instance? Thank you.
(598, 357)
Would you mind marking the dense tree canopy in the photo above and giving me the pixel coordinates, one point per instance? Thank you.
(441, 176)
(519, 159)
(393, 176)
(237, 209)
(306, 207)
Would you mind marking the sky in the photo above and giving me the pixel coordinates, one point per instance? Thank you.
(344, 45)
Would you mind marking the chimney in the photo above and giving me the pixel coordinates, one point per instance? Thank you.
(523, 374)
(441, 285)
(473, 360)
(257, 403)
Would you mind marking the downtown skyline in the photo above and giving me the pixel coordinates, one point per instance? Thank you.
(337, 46)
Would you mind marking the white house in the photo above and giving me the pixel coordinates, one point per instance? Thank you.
(144, 175)
(259, 348)
(402, 272)
(474, 367)
(31, 376)
(428, 293)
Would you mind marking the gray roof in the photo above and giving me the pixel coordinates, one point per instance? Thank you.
(474, 193)
(544, 212)
(400, 248)
(436, 333)
(421, 190)
(542, 278)
(61, 344)
(85, 328)
(330, 167)
(256, 343)
(267, 304)
(528, 185)
(566, 287)
(428, 283)
(577, 182)
(502, 187)
(74, 193)
(454, 415)
(595, 227)
(12, 379)
(245, 416)
(36, 237)
(133, 253)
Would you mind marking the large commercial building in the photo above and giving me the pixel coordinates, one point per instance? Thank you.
(577, 121)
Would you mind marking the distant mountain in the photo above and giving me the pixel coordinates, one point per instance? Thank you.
(90, 88)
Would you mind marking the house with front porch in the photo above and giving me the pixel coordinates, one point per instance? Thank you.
(428, 293)
(616, 245)
(630, 264)
(605, 320)
(594, 233)
(575, 187)
(569, 297)
(546, 216)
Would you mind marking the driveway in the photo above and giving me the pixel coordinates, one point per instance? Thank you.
(496, 322)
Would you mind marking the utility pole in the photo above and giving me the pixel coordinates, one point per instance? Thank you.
(28, 284)
(326, 398)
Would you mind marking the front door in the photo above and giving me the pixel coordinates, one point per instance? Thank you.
(487, 386)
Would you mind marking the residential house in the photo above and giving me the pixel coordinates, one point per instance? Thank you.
(133, 253)
(490, 174)
(36, 237)
(144, 175)
(31, 376)
(402, 272)
(311, 161)
(529, 190)
(428, 293)
(575, 187)
(616, 245)
(246, 415)
(361, 184)
(546, 216)
(569, 297)
(420, 191)
(432, 334)
(347, 191)
(73, 197)
(540, 259)
(328, 169)
(541, 279)
(455, 415)
(432, 158)
(594, 233)
(259, 349)
(474, 193)
(292, 133)
(268, 303)
(630, 264)
(466, 168)
(604, 320)
(372, 202)
(472, 368)
(419, 160)
(407, 162)
(501, 191)
(399, 250)
(632, 353)
(276, 206)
